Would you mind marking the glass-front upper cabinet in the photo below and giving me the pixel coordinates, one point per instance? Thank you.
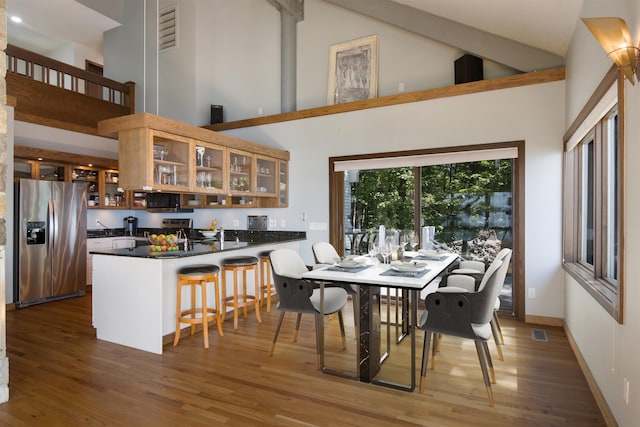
(89, 176)
(241, 166)
(23, 168)
(114, 196)
(283, 178)
(266, 173)
(170, 161)
(50, 171)
(210, 168)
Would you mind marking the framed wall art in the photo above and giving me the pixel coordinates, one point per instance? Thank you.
(353, 70)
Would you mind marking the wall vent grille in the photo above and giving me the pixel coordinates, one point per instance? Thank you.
(167, 28)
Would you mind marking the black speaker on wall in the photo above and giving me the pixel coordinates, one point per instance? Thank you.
(216, 114)
(468, 68)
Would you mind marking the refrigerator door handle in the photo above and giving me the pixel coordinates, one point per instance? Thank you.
(51, 225)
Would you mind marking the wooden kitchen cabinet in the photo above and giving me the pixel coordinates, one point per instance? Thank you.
(103, 187)
(211, 173)
(91, 178)
(283, 184)
(115, 195)
(266, 174)
(156, 153)
(281, 199)
(172, 158)
(241, 173)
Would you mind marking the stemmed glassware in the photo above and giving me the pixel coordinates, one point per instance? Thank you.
(373, 251)
(412, 241)
(386, 249)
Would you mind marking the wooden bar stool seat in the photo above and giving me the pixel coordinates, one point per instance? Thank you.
(192, 276)
(235, 265)
(266, 284)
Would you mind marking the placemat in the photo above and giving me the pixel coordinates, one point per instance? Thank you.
(392, 272)
(348, 270)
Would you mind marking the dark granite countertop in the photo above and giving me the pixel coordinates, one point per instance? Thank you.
(248, 236)
(205, 247)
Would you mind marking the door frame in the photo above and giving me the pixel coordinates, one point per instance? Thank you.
(336, 206)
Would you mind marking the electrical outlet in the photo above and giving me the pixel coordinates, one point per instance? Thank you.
(625, 391)
(236, 223)
(282, 223)
(273, 223)
(400, 87)
(531, 293)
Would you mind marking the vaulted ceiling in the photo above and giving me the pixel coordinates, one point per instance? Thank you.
(523, 34)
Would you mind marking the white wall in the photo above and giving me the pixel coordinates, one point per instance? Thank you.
(177, 67)
(534, 114)
(404, 57)
(124, 51)
(609, 349)
(238, 59)
(229, 54)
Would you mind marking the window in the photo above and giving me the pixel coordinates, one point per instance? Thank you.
(593, 197)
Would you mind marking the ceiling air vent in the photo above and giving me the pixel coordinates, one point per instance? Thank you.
(167, 28)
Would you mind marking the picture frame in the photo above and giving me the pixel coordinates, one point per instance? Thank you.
(353, 70)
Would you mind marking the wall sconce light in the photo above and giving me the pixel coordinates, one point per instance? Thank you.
(613, 35)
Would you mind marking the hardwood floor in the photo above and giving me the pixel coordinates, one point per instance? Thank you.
(61, 375)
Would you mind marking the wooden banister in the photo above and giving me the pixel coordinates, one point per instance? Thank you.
(52, 93)
(46, 70)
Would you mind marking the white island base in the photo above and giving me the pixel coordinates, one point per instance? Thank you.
(134, 298)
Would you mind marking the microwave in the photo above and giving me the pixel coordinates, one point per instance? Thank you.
(164, 202)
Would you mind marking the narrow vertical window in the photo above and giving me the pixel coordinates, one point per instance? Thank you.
(612, 197)
(586, 198)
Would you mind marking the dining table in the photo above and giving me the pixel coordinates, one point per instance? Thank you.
(412, 274)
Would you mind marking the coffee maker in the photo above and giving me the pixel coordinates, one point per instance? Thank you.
(130, 226)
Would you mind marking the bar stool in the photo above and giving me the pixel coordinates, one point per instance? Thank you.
(198, 275)
(266, 289)
(240, 264)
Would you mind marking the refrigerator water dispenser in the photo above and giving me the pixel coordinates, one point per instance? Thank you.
(35, 232)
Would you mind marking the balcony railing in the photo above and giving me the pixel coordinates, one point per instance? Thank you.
(56, 94)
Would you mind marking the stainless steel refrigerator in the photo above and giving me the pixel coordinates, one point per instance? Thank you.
(50, 241)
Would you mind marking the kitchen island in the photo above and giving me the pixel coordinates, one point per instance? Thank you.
(134, 290)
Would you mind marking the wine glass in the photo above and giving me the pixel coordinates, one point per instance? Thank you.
(374, 250)
(385, 250)
(412, 241)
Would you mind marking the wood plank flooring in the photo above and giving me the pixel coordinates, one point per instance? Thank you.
(61, 375)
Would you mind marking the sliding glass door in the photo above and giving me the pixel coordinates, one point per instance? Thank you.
(470, 206)
(469, 203)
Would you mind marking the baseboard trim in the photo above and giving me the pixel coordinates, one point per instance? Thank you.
(544, 320)
(593, 386)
